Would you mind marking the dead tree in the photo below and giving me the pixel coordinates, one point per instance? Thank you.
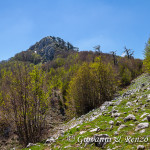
(114, 57)
(128, 52)
(97, 49)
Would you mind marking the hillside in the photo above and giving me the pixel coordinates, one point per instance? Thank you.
(125, 120)
(51, 83)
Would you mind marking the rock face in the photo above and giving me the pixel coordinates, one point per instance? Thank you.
(142, 126)
(129, 117)
(45, 50)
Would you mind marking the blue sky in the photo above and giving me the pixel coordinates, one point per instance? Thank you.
(112, 24)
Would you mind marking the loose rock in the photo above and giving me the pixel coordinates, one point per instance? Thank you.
(121, 127)
(111, 122)
(148, 117)
(129, 117)
(142, 126)
(140, 147)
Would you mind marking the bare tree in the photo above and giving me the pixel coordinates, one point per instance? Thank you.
(114, 57)
(97, 49)
(128, 52)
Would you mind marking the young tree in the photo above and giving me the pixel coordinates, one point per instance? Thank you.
(24, 100)
(147, 56)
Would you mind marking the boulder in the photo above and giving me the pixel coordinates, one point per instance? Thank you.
(142, 126)
(142, 131)
(140, 147)
(148, 117)
(129, 117)
(144, 115)
(118, 123)
(121, 127)
(50, 140)
(111, 122)
(116, 114)
(101, 140)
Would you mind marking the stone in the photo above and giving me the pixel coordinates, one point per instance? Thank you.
(144, 115)
(142, 131)
(67, 146)
(131, 124)
(115, 114)
(118, 123)
(114, 111)
(129, 117)
(116, 133)
(143, 106)
(148, 117)
(121, 127)
(95, 113)
(142, 126)
(82, 132)
(135, 101)
(111, 103)
(140, 147)
(101, 140)
(111, 127)
(30, 144)
(129, 104)
(50, 140)
(148, 100)
(145, 119)
(148, 96)
(95, 130)
(111, 122)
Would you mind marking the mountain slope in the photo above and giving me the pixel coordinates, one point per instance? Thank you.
(45, 50)
(125, 120)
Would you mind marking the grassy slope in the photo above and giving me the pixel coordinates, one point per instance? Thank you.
(102, 122)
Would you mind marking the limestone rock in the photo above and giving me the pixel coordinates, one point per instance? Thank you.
(140, 147)
(121, 127)
(129, 117)
(142, 126)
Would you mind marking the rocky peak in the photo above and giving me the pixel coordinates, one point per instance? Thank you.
(45, 50)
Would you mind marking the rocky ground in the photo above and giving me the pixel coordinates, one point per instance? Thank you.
(120, 124)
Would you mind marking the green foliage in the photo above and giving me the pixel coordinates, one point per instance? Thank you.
(126, 77)
(24, 100)
(147, 56)
(93, 84)
(76, 81)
